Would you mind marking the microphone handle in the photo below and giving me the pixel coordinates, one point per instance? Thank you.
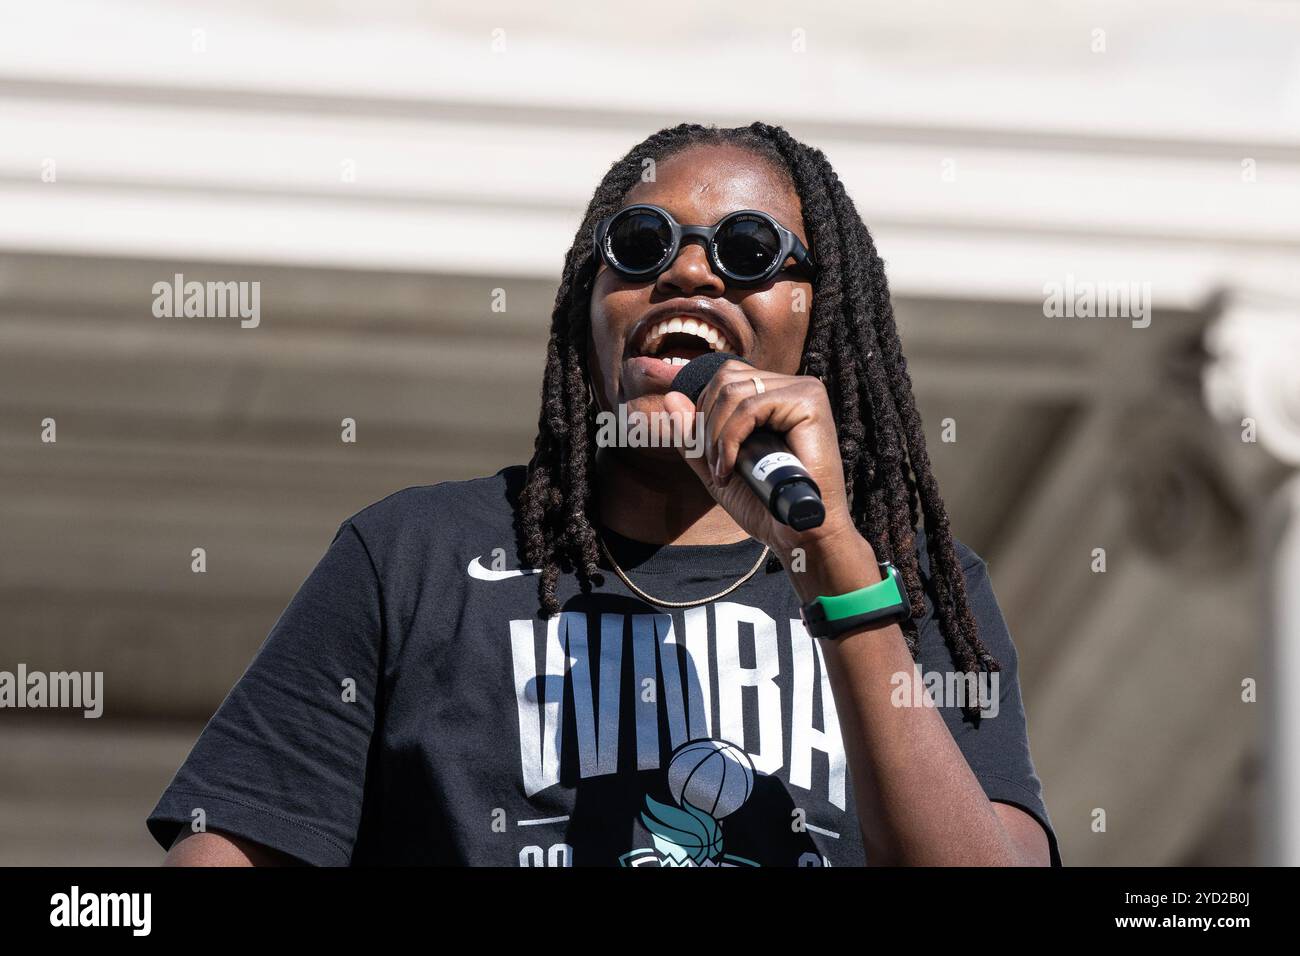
(780, 480)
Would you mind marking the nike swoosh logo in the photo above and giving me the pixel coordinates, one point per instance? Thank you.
(479, 572)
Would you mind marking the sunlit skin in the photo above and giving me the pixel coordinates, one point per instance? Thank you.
(699, 192)
(766, 325)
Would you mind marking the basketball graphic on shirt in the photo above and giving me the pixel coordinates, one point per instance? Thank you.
(708, 780)
(711, 775)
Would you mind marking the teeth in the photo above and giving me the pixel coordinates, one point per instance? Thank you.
(674, 360)
(717, 341)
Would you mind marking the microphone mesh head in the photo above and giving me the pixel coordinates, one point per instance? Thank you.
(698, 372)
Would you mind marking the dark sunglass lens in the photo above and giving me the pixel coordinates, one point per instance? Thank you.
(639, 240)
(747, 246)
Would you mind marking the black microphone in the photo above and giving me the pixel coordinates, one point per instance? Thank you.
(765, 462)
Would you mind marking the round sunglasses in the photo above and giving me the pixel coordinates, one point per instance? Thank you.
(746, 248)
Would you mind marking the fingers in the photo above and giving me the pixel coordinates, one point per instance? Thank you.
(682, 417)
(731, 385)
(783, 410)
(735, 381)
(732, 407)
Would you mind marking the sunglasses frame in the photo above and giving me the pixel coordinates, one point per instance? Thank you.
(790, 246)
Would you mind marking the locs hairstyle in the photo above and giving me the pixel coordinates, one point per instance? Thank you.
(852, 346)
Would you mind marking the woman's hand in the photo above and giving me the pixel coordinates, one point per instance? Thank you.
(796, 406)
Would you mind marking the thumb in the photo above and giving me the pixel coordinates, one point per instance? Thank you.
(681, 412)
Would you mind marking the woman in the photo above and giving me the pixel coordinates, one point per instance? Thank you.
(653, 696)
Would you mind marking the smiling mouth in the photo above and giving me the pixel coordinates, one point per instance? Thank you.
(678, 339)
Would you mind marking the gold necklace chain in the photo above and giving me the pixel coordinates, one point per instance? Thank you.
(654, 600)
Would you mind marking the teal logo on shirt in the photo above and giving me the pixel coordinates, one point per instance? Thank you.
(709, 780)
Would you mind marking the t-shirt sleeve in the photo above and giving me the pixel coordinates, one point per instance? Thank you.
(997, 747)
(283, 760)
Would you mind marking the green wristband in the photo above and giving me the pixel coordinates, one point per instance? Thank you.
(876, 605)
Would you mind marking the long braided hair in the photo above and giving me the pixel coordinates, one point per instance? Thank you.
(852, 346)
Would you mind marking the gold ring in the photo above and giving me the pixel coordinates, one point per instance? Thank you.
(758, 385)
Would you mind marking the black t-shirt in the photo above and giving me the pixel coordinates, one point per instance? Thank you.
(411, 707)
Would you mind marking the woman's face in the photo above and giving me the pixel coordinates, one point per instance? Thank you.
(765, 325)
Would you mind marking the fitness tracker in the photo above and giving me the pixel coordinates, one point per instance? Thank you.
(876, 605)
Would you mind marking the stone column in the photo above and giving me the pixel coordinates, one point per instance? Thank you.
(1253, 382)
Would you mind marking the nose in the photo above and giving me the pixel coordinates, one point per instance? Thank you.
(690, 273)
